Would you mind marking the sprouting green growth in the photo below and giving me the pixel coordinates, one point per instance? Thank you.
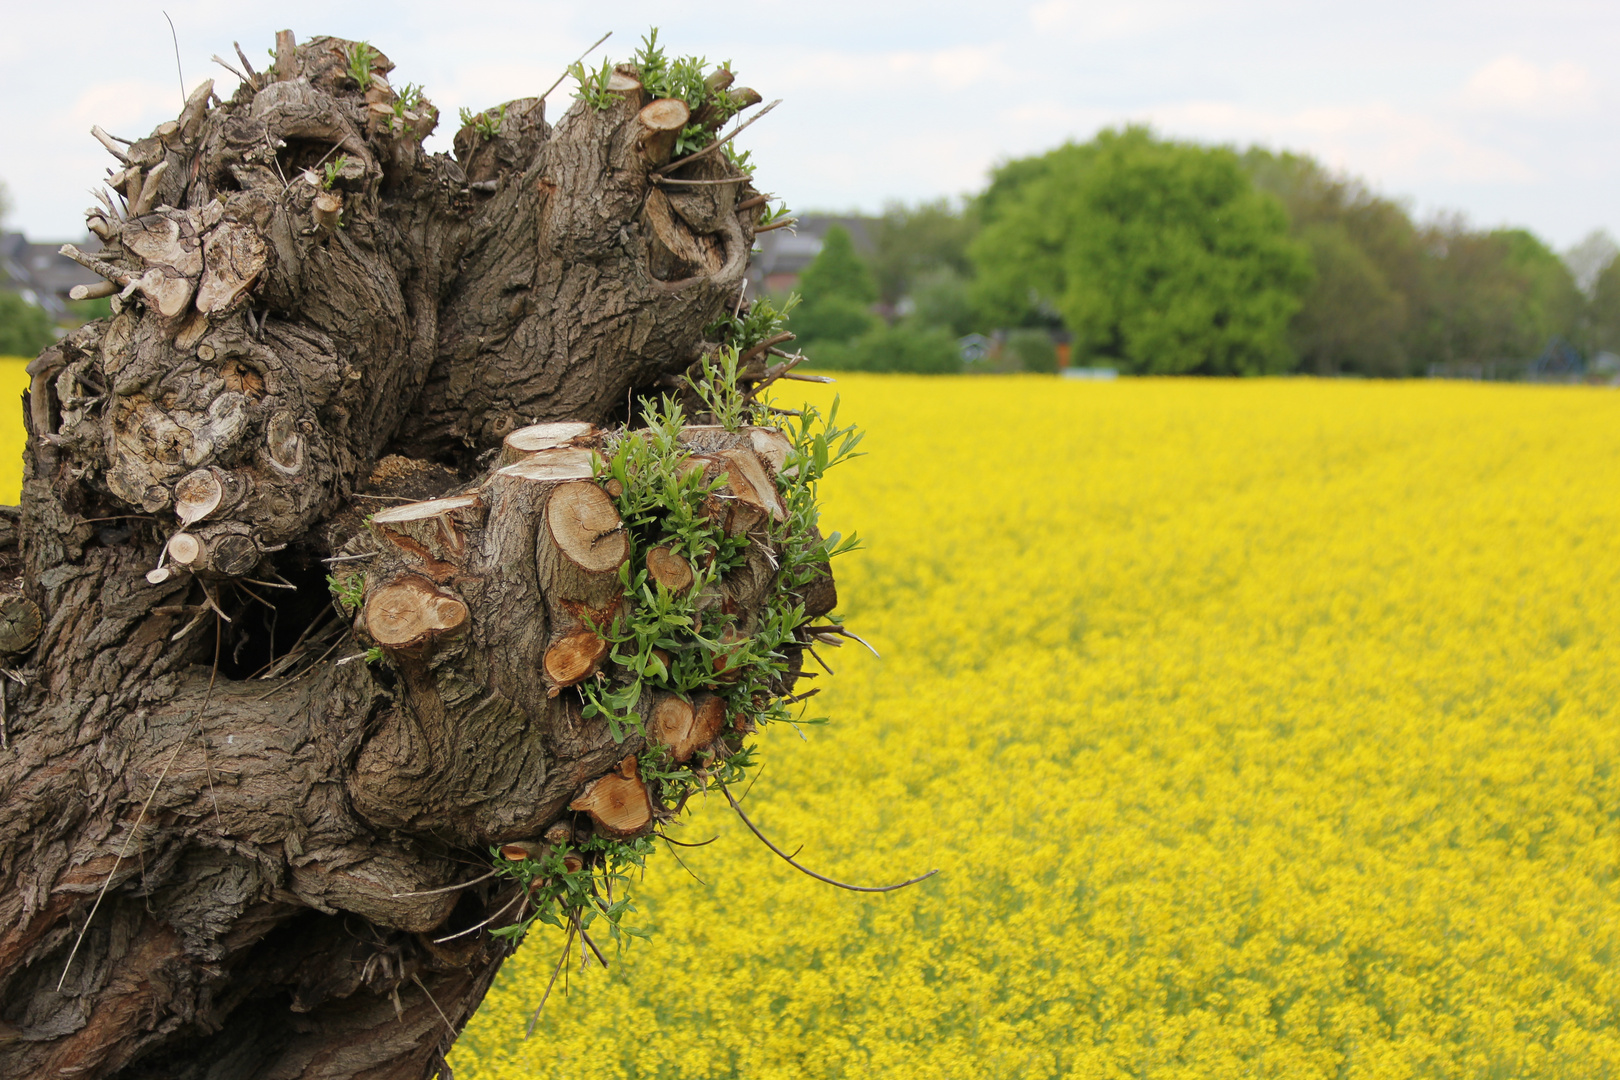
(597, 888)
(773, 216)
(374, 655)
(486, 123)
(409, 98)
(668, 644)
(350, 590)
(407, 104)
(593, 84)
(664, 643)
(684, 77)
(762, 321)
(693, 137)
(331, 170)
(716, 385)
(738, 158)
(361, 57)
(662, 502)
(663, 76)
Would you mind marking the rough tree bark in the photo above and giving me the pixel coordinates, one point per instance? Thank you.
(317, 321)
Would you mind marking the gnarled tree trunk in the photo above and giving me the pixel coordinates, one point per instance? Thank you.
(317, 323)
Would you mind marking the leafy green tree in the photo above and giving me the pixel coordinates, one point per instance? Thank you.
(1161, 257)
(924, 243)
(1370, 261)
(1550, 301)
(1021, 241)
(25, 328)
(837, 292)
(1498, 295)
(1604, 310)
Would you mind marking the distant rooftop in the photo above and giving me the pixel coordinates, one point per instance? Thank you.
(784, 253)
(40, 273)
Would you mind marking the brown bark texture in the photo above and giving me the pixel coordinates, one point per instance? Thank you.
(239, 829)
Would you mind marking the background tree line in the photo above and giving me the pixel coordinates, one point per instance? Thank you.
(1162, 257)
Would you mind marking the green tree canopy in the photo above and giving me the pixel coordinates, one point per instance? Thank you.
(25, 328)
(919, 246)
(837, 292)
(1370, 264)
(1161, 257)
(1493, 295)
(1604, 311)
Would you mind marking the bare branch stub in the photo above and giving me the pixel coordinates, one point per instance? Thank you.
(317, 323)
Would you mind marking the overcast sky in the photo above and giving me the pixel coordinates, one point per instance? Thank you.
(1509, 113)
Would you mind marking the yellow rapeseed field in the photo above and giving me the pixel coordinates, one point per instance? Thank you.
(1260, 728)
(13, 381)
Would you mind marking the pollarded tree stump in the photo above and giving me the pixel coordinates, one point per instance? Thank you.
(335, 354)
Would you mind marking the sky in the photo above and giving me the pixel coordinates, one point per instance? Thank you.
(1506, 113)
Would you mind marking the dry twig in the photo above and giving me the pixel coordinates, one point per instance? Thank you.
(804, 870)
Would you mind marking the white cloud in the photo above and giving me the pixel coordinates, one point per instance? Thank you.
(135, 104)
(1385, 144)
(883, 74)
(1108, 20)
(1377, 139)
(1505, 111)
(1513, 83)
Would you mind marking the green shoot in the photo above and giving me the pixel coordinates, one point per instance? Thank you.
(487, 123)
(350, 590)
(593, 84)
(362, 57)
(331, 170)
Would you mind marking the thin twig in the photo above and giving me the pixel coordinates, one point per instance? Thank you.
(216, 58)
(463, 933)
(253, 76)
(547, 94)
(761, 346)
(292, 655)
(238, 583)
(683, 865)
(819, 877)
(718, 143)
(779, 371)
(683, 843)
(270, 584)
(417, 979)
(796, 698)
(841, 632)
(174, 37)
(742, 294)
(586, 938)
(811, 649)
(447, 888)
(568, 941)
(282, 686)
(782, 224)
(757, 774)
(196, 718)
(346, 558)
(743, 179)
(213, 603)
